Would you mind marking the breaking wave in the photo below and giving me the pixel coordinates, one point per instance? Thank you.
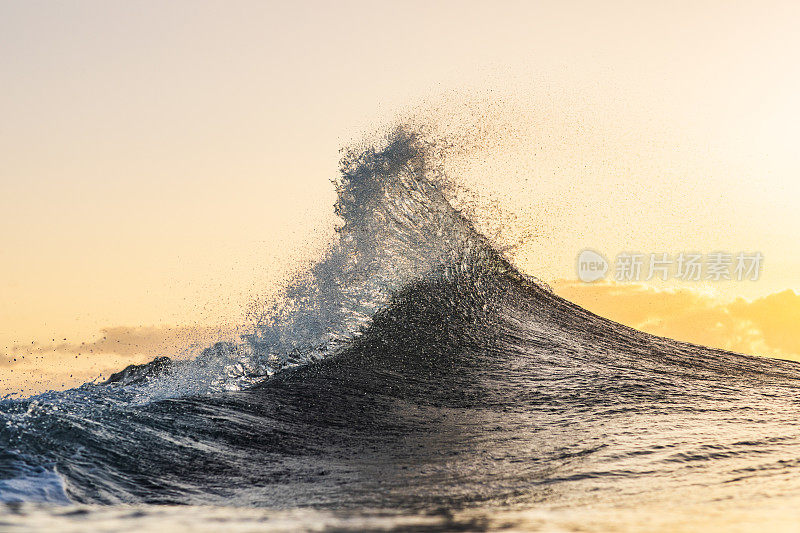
(398, 226)
(414, 368)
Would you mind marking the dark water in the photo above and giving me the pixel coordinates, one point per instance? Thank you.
(414, 380)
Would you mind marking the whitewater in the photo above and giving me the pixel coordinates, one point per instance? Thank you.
(414, 379)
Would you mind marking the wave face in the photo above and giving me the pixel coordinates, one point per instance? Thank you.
(413, 368)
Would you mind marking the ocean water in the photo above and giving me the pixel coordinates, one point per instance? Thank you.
(414, 380)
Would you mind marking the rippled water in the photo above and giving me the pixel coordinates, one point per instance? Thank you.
(414, 380)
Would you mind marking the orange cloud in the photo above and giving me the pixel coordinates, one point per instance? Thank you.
(765, 326)
(141, 340)
(29, 369)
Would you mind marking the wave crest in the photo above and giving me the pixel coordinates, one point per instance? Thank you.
(398, 226)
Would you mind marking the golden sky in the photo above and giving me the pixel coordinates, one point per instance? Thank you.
(163, 164)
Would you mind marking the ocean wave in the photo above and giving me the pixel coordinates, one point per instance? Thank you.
(412, 367)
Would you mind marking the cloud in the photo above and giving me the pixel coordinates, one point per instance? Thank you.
(765, 326)
(141, 340)
(32, 368)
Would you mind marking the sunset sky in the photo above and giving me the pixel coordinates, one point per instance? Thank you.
(165, 164)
